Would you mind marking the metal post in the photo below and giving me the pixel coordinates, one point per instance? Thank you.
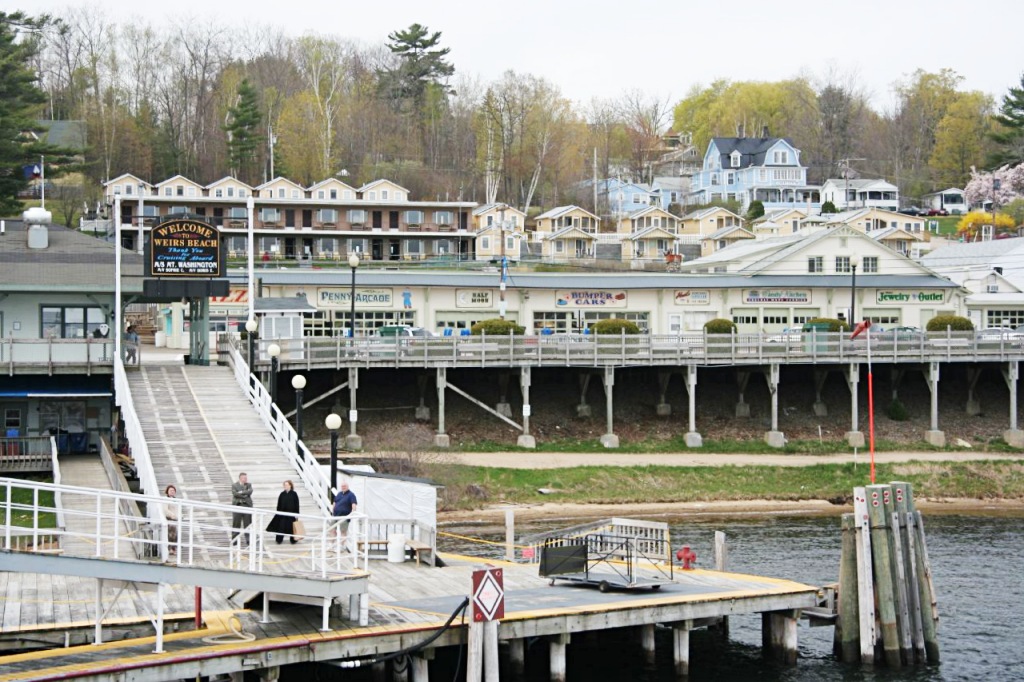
(250, 209)
(334, 459)
(273, 379)
(298, 413)
(252, 349)
(118, 325)
(853, 297)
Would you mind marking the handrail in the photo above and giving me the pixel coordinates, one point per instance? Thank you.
(26, 453)
(56, 352)
(55, 463)
(135, 434)
(301, 459)
(102, 525)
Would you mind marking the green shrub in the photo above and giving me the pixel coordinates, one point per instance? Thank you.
(496, 326)
(720, 326)
(834, 325)
(829, 207)
(954, 322)
(614, 326)
(755, 210)
(897, 411)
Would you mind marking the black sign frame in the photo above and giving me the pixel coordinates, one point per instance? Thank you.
(187, 247)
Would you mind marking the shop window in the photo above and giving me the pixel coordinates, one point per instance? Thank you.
(70, 322)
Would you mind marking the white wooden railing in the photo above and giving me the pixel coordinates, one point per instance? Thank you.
(134, 434)
(27, 453)
(301, 459)
(51, 353)
(96, 524)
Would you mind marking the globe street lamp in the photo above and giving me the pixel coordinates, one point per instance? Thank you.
(298, 383)
(353, 262)
(273, 351)
(251, 326)
(333, 423)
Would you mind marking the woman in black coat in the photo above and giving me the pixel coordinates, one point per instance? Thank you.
(282, 524)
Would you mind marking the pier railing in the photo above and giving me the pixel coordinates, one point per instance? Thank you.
(105, 524)
(27, 454)
(52, 354)
(134, 433)
(624, 350)
(649, 538)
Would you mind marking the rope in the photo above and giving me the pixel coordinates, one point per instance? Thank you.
(481, 540)
(237, 634)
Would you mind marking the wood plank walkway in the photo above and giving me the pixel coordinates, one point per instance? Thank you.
(80, 511)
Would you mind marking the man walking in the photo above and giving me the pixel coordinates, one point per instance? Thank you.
(344, 504)
(241, 496)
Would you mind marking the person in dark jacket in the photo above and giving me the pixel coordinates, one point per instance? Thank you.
(283, 524)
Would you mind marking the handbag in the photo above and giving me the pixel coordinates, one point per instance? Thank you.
(298, 530)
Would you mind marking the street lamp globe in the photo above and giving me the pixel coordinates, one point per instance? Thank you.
(274, 350)
(298, 382)
(353, 260)
(333, 422)
(251, 326)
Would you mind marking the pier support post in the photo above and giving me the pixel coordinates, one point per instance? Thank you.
(441, 440)
(526, 439)
(1013, 436)
(517, 657)
(609, 439)
(647, 642)
(973, 401)
(475, 653)
(557, 645)
(353, 441)
(896, 378)
(721, 564)
(681, 647)
(663, 408)
(847, 632)
(503, 408)
(742, 407)
(774, 438)
(420, 665)
(379, 672)
(272, 674)
(422, 411)
(933, 436)
(491, 660)
(778, 635)
(820, 377)
(855, 437)
(693, 438)
(583, 409)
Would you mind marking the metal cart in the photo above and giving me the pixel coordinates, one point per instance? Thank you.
(607, 561)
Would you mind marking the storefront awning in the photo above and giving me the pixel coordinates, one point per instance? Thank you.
(63, 387)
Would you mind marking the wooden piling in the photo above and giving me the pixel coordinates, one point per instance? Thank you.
(721, 564)
(899, 576)
(903, 493)
(883, 574)
(929, 606)
(847, 634)
(865, 582)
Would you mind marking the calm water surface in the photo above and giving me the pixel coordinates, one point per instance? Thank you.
(979, 578)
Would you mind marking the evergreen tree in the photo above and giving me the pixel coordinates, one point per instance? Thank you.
(422, 66)
(243, 129)
(20, 105)
(1009, 135)
(755, 210)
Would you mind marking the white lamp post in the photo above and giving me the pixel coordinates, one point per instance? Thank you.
(251, 326)
(274, 351)
(298, 383)
(333, 423)
(353, 262)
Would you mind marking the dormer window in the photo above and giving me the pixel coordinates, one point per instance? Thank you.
(734, 160)
(780, 158)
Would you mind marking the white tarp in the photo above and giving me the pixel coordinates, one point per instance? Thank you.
(390, 498)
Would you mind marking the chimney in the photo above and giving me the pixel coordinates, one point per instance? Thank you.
(37, 220)
(764, 132)
(739, 130)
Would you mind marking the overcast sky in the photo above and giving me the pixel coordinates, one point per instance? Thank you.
(598, 48)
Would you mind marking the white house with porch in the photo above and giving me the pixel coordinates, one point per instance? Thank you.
(854, 193)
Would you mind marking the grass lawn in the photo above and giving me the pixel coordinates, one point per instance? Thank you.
(947, 224)
(23, 517)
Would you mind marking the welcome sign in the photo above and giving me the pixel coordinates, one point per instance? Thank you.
(185, 247)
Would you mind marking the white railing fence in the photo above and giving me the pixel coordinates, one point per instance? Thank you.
(301, 459)
(95, 524)
(54, 352)
(134, 434)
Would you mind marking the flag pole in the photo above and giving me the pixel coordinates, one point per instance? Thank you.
(871, 408)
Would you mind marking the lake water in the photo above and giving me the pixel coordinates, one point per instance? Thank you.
(979, 579)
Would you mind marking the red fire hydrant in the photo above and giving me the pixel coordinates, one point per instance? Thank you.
(687, 556)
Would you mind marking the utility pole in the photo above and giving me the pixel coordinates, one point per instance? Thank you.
(595, 181)
(845, 164)
(504, 262)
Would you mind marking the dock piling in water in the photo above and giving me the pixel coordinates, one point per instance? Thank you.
(847, 634)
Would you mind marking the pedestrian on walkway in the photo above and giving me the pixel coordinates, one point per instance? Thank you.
(131, 339)
(284, 522)
(170, 510)
(344, 504)
(241, 496)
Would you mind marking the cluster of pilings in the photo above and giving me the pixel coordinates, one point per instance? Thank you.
(887, 607)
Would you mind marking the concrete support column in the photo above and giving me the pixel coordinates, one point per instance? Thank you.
(583, 409)
(774, 438)
(353, 441)
(973, 401)
(422, 411)
(820, 377)
(441, 440)
(693, 438)
(778, 635)
(855, 437)
(647, 643)
(681, 648)
(663, 409)
(742, 407)
(517, 657)
(609, 439)
(557, 645)
(420, 665)
(503, 408)
(526, 439)
(933, 435)
(1014, 437)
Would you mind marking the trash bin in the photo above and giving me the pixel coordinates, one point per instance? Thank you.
(396, 548)
(160, 339)
(815, 337)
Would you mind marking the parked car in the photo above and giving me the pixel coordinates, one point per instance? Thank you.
(912, 210)
(902, 335)
(937, 212)
(402, 330)
(400, 339)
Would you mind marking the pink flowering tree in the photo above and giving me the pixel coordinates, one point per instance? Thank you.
(1011, 185)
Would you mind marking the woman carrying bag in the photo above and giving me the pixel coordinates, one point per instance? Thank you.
(284, 523)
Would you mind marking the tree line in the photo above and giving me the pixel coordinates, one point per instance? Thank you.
(208, 100)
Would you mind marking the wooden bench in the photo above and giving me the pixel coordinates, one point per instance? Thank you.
(418, 548)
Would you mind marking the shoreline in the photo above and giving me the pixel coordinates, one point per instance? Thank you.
(554, 511)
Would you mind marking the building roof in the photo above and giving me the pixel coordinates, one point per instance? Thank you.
(1007, 254)
(570, 231)
(72, 135)
(494, 205)
(371, 185)
(774, 214)
(893, 232)
(71, 262)
(290, 304)
(704, 212)
(862, 183)
(753, 150)
(951, 190)
(652, 232)
(562, 210)
(726, 231)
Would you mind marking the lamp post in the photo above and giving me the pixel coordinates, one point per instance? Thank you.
(298, 383)
(333, 423)
(250, 327)
(273, 351)
(353, 262)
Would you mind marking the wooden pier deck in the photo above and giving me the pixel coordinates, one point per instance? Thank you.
(408, 603)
